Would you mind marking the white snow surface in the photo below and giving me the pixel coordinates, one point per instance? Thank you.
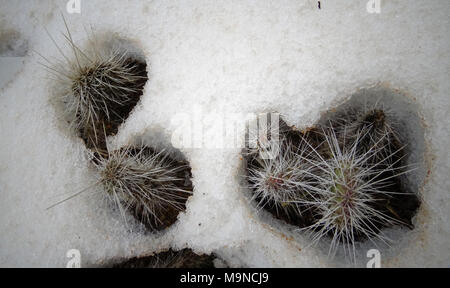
(218, 57)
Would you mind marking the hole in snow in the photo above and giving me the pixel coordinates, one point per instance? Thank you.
(185, 258)
(98, 85)
(355, 173)
(151, 183)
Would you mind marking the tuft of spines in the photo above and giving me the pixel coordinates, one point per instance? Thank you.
(152, 186)
(375, 125)
(98, 88)
(351, 190)
(279, 181)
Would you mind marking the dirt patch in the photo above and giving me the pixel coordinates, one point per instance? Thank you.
(185, 258)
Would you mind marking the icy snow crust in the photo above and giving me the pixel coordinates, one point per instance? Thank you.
(223, 57)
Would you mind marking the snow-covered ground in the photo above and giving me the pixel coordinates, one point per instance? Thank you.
(220, 57)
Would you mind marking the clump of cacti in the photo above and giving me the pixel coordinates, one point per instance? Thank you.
(98, 88)
(151, 185)
(340, 179)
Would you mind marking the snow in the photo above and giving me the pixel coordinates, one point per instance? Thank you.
(218, 57)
